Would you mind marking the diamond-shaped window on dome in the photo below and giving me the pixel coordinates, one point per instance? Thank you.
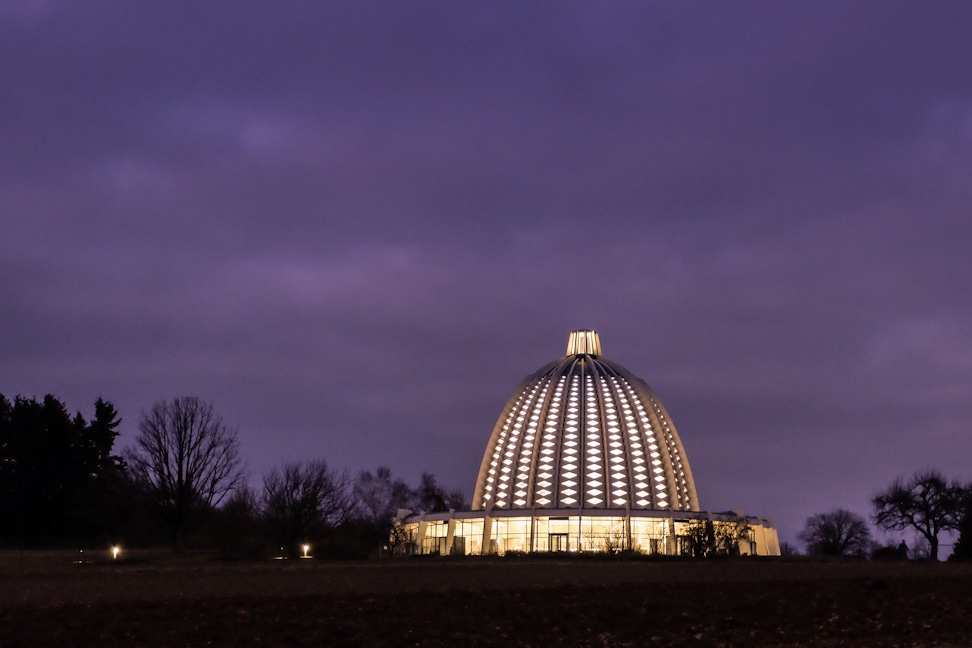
(594, 500)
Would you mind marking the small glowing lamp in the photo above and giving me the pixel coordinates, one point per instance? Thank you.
(115, 550)
(306, 548)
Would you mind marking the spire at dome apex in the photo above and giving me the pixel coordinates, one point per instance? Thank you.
(584, 341)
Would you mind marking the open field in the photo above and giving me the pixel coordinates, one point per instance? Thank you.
(159, 600)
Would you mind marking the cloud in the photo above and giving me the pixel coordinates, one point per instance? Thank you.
(356, 228)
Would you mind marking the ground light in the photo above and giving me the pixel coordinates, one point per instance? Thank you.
(115, 550)
(306, 549)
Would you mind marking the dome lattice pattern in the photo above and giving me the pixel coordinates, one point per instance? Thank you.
(584, 432)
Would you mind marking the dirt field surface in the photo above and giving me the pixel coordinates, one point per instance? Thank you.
(47, 599)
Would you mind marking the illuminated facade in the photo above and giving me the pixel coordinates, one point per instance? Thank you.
(584, 457)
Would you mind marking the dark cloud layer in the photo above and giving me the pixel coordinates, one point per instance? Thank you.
(356, 227)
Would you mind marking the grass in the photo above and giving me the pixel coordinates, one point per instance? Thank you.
(47, 599)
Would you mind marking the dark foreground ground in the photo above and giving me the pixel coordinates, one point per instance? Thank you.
(46, 600)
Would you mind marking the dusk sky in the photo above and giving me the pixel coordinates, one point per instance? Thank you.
(355, 227)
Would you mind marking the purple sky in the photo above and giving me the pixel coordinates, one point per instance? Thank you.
(355, 227)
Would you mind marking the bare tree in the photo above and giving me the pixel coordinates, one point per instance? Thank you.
(699, 538)
(729, 534)
(186, 460)
(431, 497)
(379, 497)
(456, 500)
(836, 533)
(927, 503)
(303, 501)
(786, 549)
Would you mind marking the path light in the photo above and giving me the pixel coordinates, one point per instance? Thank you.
(115, 551)
(306, 549)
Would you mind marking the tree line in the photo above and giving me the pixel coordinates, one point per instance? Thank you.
(183, 484)
(927, 503)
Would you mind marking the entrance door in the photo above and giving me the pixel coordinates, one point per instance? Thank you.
(558, 541)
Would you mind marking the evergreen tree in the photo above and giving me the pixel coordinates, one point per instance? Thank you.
(51, 464)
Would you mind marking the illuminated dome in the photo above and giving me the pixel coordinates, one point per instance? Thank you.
(584, 433)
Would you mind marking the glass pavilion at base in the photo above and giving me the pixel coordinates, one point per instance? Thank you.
(584, 457)
(648, 532)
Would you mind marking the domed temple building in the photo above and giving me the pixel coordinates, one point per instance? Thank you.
(584, 457)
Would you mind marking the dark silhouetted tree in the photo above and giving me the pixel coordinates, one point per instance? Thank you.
(704, 538)
(55, 470)
(456, 500)
(698, 538)
(963, 546)
(431, 497)
(305, 501)
(836, 533)
(729, 534)
(927, 503)
(236, 527)
(378, 499)
(186, 460)
(786, 549)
